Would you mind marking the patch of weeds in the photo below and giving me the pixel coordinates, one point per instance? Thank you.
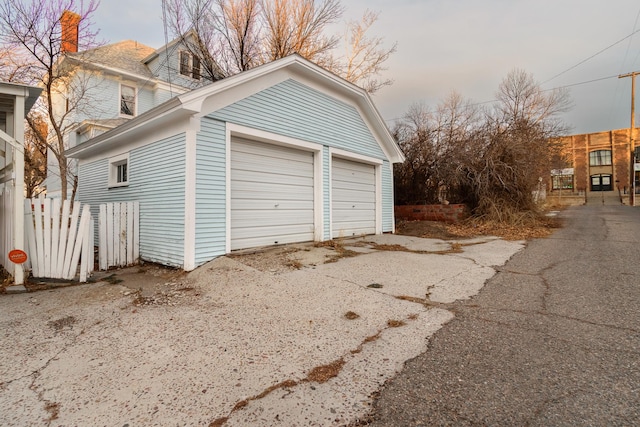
(218, 422)
(53, 409)
(412, 317)
(422, 301)
(322, 374)
(383, 247)
(375, 286)
(112, 279)
(395, 323)
(351, 315)
(60, 324)
(371, 338)
(294, 263)
(338, 245)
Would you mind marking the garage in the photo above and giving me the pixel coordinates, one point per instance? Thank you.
(353, 198)
(272, 194)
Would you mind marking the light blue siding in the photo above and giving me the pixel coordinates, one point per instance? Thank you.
(167, 68)
(156, 179)
(210, 191)
(298, 111)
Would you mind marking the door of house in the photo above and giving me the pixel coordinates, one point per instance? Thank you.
(601, 183)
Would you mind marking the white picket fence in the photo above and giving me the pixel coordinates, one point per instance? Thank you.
(119, 234)
(59, 238)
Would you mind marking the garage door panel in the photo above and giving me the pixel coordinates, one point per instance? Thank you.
(264, 165)
(246, 218)
(272, 194)
(251, 241)
(352, 206)
(252, 204)
(258, 150)
(353, 198)
(262, 190)
(271, 178)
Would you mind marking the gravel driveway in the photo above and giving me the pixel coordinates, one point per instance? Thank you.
(297, 335)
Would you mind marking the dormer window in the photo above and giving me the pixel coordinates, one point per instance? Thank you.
(127, 100)
(189, 65)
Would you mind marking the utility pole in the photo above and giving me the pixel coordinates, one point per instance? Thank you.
(632, 172)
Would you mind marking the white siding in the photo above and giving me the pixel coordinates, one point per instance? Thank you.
(271, 194)
(353, 198)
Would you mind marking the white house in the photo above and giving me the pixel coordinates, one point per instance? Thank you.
(112, 84)
(285, 152)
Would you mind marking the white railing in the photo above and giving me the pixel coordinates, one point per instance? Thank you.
(59, 239)
(119, 234)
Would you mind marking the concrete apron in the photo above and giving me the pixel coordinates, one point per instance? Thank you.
(303, 347)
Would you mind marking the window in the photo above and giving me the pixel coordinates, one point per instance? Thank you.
(562, 182)
(119, 171)
(600, 158)
(127, 100)
(189, 65)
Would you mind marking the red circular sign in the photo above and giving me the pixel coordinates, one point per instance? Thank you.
(17, 256)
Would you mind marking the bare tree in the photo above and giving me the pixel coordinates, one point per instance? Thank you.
(34, 31)
(35, 154)
(231, 36)
(491, 159)
(365, 56)
(298, 26)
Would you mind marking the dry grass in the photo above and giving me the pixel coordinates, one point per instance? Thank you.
(322, 374)
(392, 323)
(515, 227)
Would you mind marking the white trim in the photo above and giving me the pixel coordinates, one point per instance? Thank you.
(378, 178)
(191, 136)
(348, 155)
(114, 162)
(393, 202)
(376, 163)
(234, 130)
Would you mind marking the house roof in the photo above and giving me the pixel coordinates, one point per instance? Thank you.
(200, 100)
(127, 55)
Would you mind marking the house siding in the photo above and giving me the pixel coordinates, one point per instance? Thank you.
(156, 180)
(295, 110)
(210, 191)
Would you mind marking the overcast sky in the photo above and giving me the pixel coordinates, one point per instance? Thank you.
(470, 45)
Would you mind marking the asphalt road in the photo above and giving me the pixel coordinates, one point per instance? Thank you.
(552, 340)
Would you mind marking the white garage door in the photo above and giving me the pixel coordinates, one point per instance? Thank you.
(271, 194)
(353, 198)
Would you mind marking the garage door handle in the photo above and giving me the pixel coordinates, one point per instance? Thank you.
(276, 205)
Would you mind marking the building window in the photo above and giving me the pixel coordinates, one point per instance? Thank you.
(127, 100)
(119, 171)
(189, 65)
(600, 158)
(562, 182)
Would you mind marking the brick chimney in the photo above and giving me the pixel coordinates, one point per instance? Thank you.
(69, 21)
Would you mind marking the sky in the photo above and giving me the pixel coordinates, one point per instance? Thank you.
(469, 46)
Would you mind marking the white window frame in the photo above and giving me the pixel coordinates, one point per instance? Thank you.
(114, 163)
(135, 100)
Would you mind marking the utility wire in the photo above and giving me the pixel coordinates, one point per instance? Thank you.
(591, 57)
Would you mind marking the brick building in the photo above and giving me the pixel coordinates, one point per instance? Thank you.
(598, 166)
